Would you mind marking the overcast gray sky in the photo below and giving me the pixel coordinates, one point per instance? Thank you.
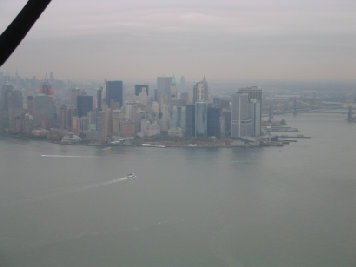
(240, 39)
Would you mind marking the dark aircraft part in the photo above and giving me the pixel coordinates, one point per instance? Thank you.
(19, 27)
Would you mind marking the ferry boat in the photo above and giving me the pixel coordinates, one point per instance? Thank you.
(131, 175)
(153, 145)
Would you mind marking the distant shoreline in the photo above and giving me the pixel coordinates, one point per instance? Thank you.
(142, 143)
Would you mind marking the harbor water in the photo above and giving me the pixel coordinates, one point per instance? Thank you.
(271, 206)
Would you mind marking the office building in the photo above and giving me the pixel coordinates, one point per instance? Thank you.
(189, 121)
(201, 119)
(213, 122)
(44, 112)
(254, 93)
(84, 104)
(114, 93)
(256, 117)
(164, 87)
(99, 96)
(177, 117)
(241, 116)
(15, 104)
(200, 91)
(226, 124)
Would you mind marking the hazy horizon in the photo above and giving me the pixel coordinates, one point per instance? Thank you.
(231, 40)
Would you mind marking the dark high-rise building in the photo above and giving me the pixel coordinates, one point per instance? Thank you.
(189, 121)
(177, 117)
(114, 92)
(84, 104)
(99, 98)
(201, 119)
(214, 122)
(227, 121)
(139, 88)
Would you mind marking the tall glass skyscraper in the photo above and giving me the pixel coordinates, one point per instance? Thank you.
(84, 104)
(189, 121)
(177, 117)
(201, 119)
(214, 122)
(114, 92)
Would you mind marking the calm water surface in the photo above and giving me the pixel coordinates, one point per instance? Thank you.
(288, 206)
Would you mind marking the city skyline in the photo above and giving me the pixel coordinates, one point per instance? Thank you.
(229, 40)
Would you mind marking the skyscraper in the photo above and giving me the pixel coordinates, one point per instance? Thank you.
(226, 118)
(99, 98)
(214, 122)
(241, 116)
(255, 92)
(256, 117)
(200, 91)
(44, 111)
(189, 121)
(84, 104)
(15, 107)
(201, 119)
(246, 112)
(177, 117)
(164, 86)
(114, 92)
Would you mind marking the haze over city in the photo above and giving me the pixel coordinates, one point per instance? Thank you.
(224, 40)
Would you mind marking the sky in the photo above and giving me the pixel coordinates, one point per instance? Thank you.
(136, 39)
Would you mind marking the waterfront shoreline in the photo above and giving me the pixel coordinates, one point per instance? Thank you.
(231, 143)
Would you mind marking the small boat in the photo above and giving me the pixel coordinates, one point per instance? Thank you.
(131, 175)
(152, 145)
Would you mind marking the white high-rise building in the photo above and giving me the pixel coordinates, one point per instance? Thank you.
(245, 116)
(200, 91)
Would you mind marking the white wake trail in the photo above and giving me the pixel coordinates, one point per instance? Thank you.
(66, 156)
(82, 189)
(113, 181)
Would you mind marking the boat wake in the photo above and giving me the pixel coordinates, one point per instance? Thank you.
(67, 156)
(80, 189)
(113, 181)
